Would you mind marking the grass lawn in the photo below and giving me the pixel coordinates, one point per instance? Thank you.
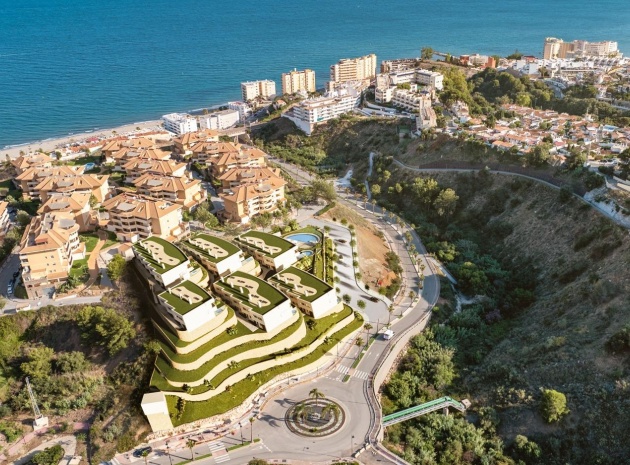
(90, 240)
(240, 391)
(79, 269)
(83, 160)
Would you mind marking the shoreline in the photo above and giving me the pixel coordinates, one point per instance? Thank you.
(53, 143)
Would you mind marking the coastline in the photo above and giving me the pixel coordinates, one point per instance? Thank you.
(51, 144)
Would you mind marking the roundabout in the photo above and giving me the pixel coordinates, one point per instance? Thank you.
(315, 418)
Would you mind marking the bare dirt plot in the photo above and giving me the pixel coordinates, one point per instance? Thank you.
(372, 248)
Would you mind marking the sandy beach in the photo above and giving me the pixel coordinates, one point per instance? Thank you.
(53, 144)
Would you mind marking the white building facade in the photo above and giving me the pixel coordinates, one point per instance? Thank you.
(180, 123)
(251, 90)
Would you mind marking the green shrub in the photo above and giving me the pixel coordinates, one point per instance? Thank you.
(553, 406)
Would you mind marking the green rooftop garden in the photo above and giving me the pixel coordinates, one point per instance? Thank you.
(179, 304)
(228, 400)
(169, 249)
(270, 240)
(265, 290)
(306, 279)
(230, 248)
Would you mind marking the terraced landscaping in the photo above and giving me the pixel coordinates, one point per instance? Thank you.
(240, 391)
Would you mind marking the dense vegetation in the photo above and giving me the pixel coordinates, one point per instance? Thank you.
(86, 364)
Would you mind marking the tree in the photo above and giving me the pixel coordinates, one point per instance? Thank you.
(71, 362)
(203, 215)
(93, 201)
(49, 456)
(22, 218)
(257, 462)
(360, 303)
(191, 444)
(375, 189)
(426, 53)
(323, 189)
(116, 267)
(359, 341)
(367, 327)
(553, 406)
(39, 364)
(346, 298)
(539, 155)
(316, 394)
(105, 327)
(330, 410)
(251, 428)
(145, 455)
(446, 202)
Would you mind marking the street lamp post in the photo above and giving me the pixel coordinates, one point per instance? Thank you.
(351, 444)
(168, 451)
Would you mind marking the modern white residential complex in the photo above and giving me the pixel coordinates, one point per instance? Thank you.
(244, 110)
(163, 261)
(309, 113)
(219, 256)
(251, 90)
(269, 250)
(180, 123)
(219, 119)
(296, 81)
(188, 305)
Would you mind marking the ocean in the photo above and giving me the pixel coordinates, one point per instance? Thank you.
(67, 66)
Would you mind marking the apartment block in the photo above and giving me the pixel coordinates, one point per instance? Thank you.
(411, 101)
(219, 119)
(258, 302)
(235, 177)
(93, 184)
(308, 293)
(167, 265)
(184, 143)
(557, 48)
(76, 203)
(254, 89)
(48, 248)
(309, 113)
(188, 305)
(135, 217)
(136, 168)
(244, 110)
(296, 81)
(354, 69)
(224, 156)
(137, 144)
(28, 180)
(33, 160)
(218, 256)
(269, 250)
(5, 222)
(126, 154)
(180, 123)
(244, 202)
(181, 190)
(432, 79)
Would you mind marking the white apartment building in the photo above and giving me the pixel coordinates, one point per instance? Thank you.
(180, 123)
(432, 79)
(243, 109)
(251, 90)
(296, 81)
(5, 222)
(411, 101)
(354, 69)
(219, 120)
(309, 113)
(163, 261)
(188, 305)
(557, 48)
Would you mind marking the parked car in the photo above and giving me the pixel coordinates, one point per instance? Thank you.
(373, 299)
(139, 452)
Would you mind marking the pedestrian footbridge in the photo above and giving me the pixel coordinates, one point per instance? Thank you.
(423, 409)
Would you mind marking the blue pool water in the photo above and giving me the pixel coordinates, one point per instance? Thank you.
(304, 237)
(307, 253)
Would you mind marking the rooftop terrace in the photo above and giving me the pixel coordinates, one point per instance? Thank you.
(255, 293)
(212, 248)
(266, 243)
(160, 254)
(299, 282)
(185, 297)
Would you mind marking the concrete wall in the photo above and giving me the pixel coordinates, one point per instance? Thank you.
(231, 343)
(324, 304)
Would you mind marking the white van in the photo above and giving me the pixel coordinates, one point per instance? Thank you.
(388, 334)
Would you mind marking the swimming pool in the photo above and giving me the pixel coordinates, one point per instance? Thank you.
(304, 237)
(307, 253)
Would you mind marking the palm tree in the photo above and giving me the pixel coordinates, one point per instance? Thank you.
(316, 394)
(390, 309)
(367, 327)
(145, 454)
(330, 410)
(251, 428)
(190, 444)
(302, 411)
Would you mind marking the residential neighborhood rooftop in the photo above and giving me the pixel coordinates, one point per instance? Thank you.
(260, 296)
(213, 248)
(160, 254)
(185, 297)
(302, 283)
(267, 244)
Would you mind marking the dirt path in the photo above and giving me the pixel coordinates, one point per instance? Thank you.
(92, 266)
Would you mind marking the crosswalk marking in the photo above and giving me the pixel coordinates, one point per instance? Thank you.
(343, 369)
(360, 374)
(219, 452)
